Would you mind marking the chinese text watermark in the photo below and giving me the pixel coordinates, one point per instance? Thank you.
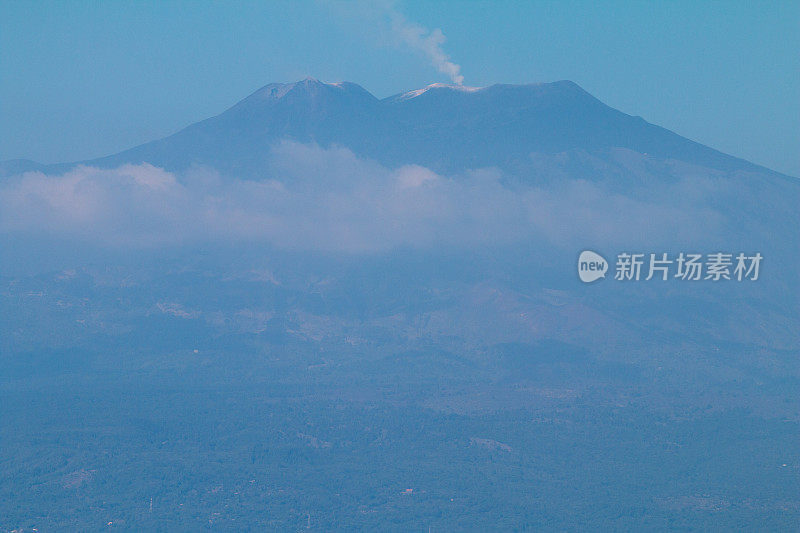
(684, 266)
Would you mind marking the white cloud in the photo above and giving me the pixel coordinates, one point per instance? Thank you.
(329, 199)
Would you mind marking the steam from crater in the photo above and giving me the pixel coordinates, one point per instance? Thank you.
(428, 42)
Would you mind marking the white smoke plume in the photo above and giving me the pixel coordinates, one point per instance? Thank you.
(429, 42)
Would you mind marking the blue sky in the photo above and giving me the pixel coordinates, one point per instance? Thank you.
(86, 79)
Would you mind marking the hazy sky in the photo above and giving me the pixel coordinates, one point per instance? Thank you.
(86, 79)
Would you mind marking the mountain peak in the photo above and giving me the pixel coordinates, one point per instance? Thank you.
(303, 90)
(557, 89)
(314, 87)
(447, 128)
(446, 86)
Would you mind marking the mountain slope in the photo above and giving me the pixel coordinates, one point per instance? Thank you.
(446, 128)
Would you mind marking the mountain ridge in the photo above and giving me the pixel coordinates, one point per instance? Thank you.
(445, 127)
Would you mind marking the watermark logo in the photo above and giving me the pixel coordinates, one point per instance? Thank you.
(591, 266)
(632, 266)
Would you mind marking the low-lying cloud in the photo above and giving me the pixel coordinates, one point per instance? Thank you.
(314, 198)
